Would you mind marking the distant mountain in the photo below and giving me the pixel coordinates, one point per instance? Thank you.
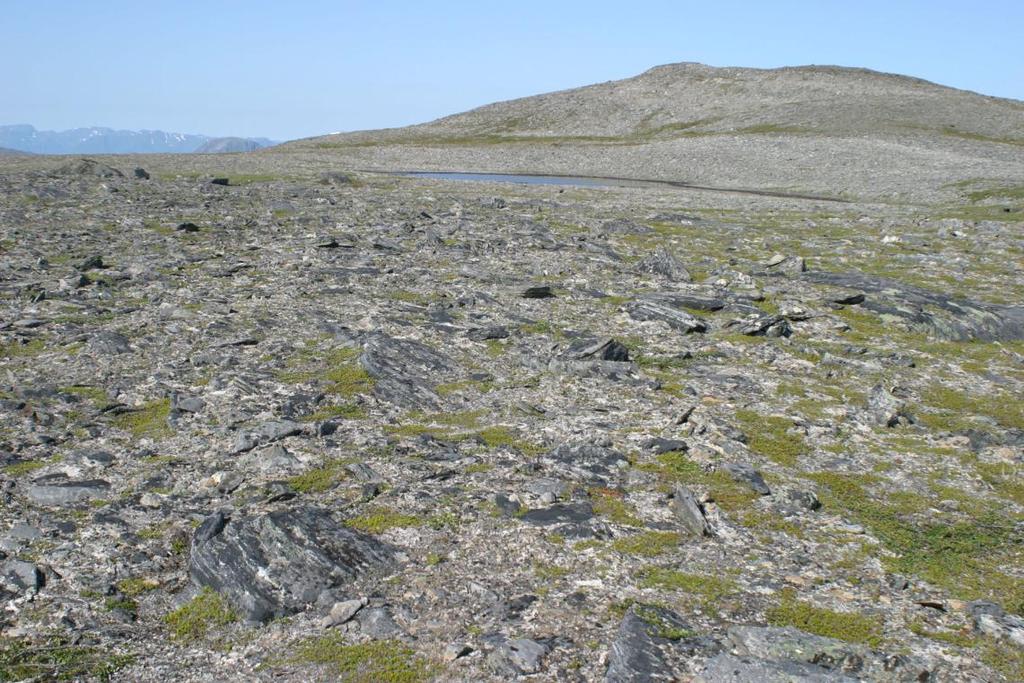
(4, 152)
(226, 145)
(26, 138)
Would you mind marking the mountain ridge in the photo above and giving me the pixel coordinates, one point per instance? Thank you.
(104, 140)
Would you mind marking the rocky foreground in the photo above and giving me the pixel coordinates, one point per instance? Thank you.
(371, 428)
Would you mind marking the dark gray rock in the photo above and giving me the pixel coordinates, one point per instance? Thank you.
(485, 333)
(599, 349)
(649, 309)
(661, 262)
(659, 445)
(141, 174)
(747, 475)
(88, 167)
(111, 343)
(587, 461)
(786, 265)
(275, 430)
(647, 646)
(761, 325)
(569, 513)
(90, 263)
(277, 563)
(689, 512)
(994, 621)
(802, 500)
(405, 372)
(377, 623)
(540, 292)
(58, 490)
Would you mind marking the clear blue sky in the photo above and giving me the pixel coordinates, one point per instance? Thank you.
(294, 69)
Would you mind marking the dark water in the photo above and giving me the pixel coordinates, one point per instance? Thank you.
(585, 181)
(524, 179)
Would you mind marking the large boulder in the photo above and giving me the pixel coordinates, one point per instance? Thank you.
(278, 563)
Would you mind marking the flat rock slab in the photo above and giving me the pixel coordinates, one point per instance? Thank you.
(586, 461)
(276, 564)
(793, 646)
(57, 490)
(946, 317)
(678, 320)
(727, 668)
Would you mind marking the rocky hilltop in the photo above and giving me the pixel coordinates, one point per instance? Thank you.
(851, 132)
(268, 417)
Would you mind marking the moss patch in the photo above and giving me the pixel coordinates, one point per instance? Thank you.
(647, 544)
(194, 619)
(379, 520)
(769, 436)
(848, 626)
(320, 478)
(148, 421)
(379, 661)
(963, 555)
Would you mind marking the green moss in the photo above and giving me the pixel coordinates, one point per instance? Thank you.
(410, 297)
(500, 436)
(609, 503)
(647, 544)
(964, 556)
(56, 659)
(193, 620)
(378, 661)
(137, 586)
(321, 478)
(711, 588)
(848, 626)
(770, 436)
(126, 604)
(339, 368)
(1008, 661)
(19, 349)
(148, 421)
(20, 469)
(95, 395)
(379, 520)
(951, 406)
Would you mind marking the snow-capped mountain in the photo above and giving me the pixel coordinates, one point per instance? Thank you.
(99, 140)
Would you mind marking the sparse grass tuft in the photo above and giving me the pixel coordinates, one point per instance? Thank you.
(56, 659)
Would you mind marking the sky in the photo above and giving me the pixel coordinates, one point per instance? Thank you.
(286, 70)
